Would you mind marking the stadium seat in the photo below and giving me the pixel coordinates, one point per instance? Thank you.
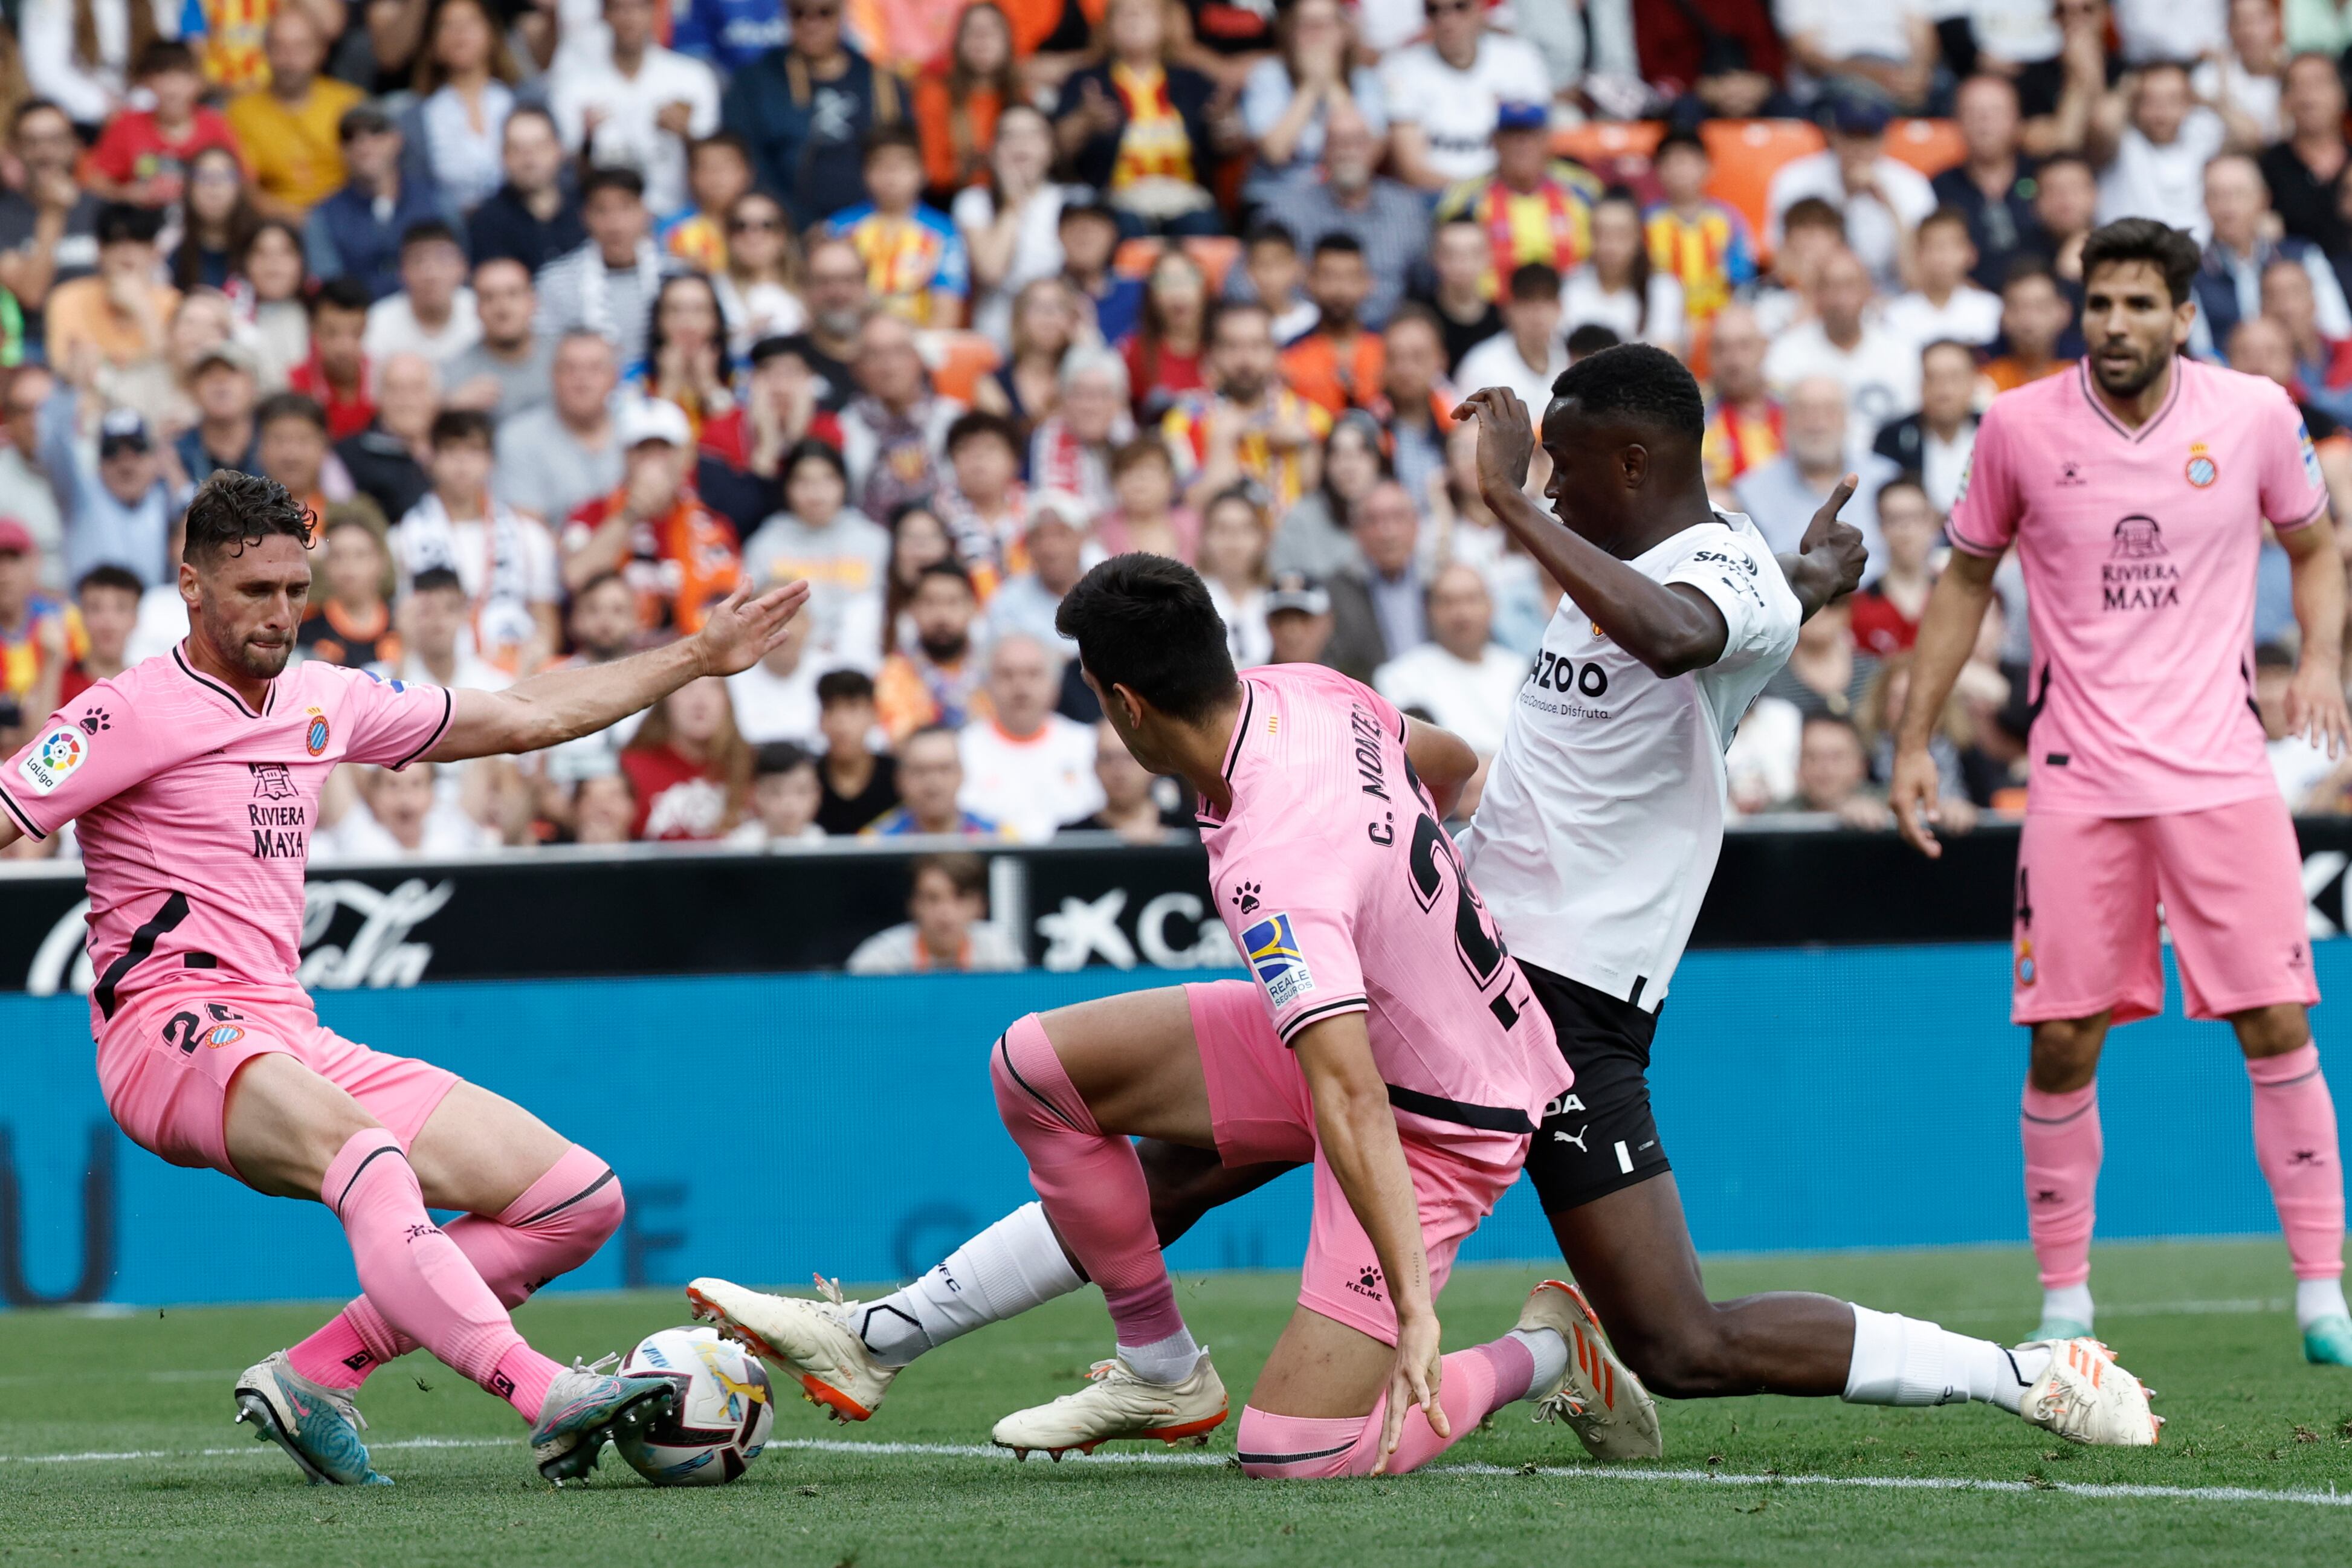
(1215, 254)
(1136, 258)
(1930, 146)
(1747, 153)
(1617, 151)
(957, 360)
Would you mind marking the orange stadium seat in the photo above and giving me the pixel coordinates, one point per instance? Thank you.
(1930, 146)
(957, 360)
(1747, 153)
(1136, 258)
(1614, 150)
(1216, 254)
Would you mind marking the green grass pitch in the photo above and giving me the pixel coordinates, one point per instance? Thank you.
(116, 1447)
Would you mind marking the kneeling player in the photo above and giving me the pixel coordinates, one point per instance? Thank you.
(196, 777)
(1387, 1036)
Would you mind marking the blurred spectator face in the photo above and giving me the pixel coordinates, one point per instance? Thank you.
(2068, 198)
(1681, 171)
(127, 263)
(2162, 103)
(1233, 540)
(1460, 255)
(1617, 239)
(1244, 354)
(1126, 783)
(1816, 429)
(1351, 151)
(785, 380)
(837, 288)
(605, 620)
(202, 321)
(942, 611)
(435, 616)
(1461, 614)
(814, 491)
(632, 22)
(354, 565)
(1145, 489)
(1455, 27)
(1351, 463)
(293, 451)
(1024, 140)
(1272, 263)
(372, 157)
(2313, 101)
(652, 472)
(786, 803)
(602, 810)
(816, 27)
(400, 802)
(845, 722)
(894, 177)
(616, 222)
(18, 569)
(1136, 28)
(699, 710)
(461, 472)
(505, 301)
(584, 377)
(273, 265)
(1843, 294)
(296, 49)
(1907, 520)
(687, 312)
(985, 467)
(28, 389)
(2288, 301)
(1297, 637)
(918, 539)
(107, 618)
(1945, 254)
(1340, 283)
(1022, 681)
(2260, 347)
(1387, 525)
(931, 771)
(1804, 249)
(1736, 355)
(1533, 324)
(2032, 314)
(130, 472)
(1522, 158)
(1828, 764)
(1089, 239)
(177, 91)
(1056, 551)
(408, 395)
(1091, 404)
(1857, 157)
(888, 367)
(46, 142)
(1947, 382)
(223, 392)
(943, 915)
(2235, 199)
(534, 158)
(2254, 31)
(335, 337)
(1986, 110)
(1830, 628)
(1415, 359)
(431, 273)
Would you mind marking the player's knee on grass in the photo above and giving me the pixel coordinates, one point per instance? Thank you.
(2064, 1055)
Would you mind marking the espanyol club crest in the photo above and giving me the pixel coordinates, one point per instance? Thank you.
(2201, 471)
(314, 738)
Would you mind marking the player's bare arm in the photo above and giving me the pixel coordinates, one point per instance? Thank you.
(551, 708)
(1947, 634)
(1671, 629)
(1443, 761)
(1357, 1129)
(2315, 701)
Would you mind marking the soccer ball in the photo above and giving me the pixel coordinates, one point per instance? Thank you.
(723, 1416)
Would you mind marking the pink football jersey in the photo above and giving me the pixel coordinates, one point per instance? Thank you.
(2139, 549)
(196, 813)
(1345, 894)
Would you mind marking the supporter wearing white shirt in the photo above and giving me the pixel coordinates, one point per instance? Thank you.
(637, 106)
(949, 930)
(400, 816)
(1946, 304)
(2154, 30)
(785, 796)
(1887, 47)
(1461, 678)
(2019, 32)
(1028, 769)
(505, 561)
(1618, 288)
(1441, 96)
(2245, 81)
(1879, 371)
(434, 313)
(2154, 166)
(775, 699)
(1881, 198)
(1529, 353)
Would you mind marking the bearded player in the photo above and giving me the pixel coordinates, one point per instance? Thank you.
(1598, 832)
(195, 777)
(2134, 490)
(1387, 1036)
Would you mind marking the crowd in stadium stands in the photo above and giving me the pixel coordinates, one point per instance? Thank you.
(567, 318)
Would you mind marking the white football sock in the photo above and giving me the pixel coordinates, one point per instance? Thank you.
(2070, 1302)
(1001, 1272)
(1550, 1351)
(1169, 1360)
(2317, 1299)
(1902, 1361)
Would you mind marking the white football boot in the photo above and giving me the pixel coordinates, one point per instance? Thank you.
(1598, 1394)
(2085, 1397)
(816, 1341)
(1118, 1404)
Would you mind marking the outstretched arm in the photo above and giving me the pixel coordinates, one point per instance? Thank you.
(561, 704)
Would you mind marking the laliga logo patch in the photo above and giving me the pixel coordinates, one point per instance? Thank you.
(1273, 955)
(314, 738)
(2201, 471)
(52, 761)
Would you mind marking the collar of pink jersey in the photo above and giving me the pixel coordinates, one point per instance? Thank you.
(269, 698)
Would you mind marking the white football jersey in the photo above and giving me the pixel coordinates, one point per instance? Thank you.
(1603, 812)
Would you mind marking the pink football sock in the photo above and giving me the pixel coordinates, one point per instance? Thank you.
(2294, 1141)
(1476, 1384)
(1091, 1182)
(2061, 1133)
(556, 1225)
(419, 1279)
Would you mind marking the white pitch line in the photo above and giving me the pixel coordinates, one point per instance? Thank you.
(2090, 1489)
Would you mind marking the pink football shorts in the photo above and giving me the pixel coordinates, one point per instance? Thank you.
(1260, 1108)
(165, 1062)
(2084, 931)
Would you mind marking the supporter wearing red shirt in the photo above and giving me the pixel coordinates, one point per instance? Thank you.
(1724, 51)
(1165, 352)
(108, 597)
(143, 154)
(336, 374)
(689, 766)
(1886, 611)
(677, 556)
